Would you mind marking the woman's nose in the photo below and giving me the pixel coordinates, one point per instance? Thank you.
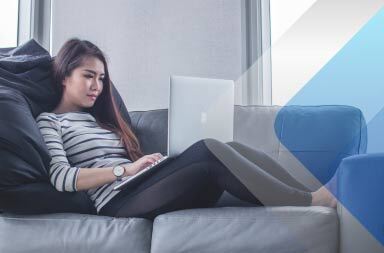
(96, 84)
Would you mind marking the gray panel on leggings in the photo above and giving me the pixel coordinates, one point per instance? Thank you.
(247, 229)
(73, 233)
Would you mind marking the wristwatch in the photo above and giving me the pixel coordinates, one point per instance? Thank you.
(118, 171)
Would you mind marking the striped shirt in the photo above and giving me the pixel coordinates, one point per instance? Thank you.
(74, 141)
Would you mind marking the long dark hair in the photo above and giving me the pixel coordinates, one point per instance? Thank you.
(105, 110)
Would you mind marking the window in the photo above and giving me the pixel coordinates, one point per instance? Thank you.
(9, 23)
(284, 14)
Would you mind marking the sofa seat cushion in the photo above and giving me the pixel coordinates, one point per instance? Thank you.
(247, 229)
(71, 232)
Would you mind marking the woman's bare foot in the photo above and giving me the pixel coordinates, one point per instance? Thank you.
(323, 197)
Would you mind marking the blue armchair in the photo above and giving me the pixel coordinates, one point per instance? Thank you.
(361, 203)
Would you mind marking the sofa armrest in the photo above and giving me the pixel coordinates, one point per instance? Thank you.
(361, 209)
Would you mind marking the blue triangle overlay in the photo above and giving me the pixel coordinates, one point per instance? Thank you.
(353, 77)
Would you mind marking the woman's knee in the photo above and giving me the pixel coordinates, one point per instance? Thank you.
(211, 142)
(206, 142)
(233, 143)
(213, 145)
(248, 150)
(198, 152)
(207, 149)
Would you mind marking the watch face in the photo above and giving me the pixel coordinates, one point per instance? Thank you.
(118, 171)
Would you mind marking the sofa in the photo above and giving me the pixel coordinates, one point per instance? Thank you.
(311, 141)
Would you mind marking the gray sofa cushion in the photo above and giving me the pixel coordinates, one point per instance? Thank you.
(247, 229)
(74, 233)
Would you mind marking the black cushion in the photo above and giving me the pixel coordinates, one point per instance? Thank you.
(27, 68)
(42, 197)
(151, 129)
(26, 90)
(21, 138)
(120, 104)
(24, 163)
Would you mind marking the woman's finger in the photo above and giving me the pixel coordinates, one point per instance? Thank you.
(156, 156)
(152, 160)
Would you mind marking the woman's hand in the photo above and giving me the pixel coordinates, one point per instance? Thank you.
(143, 162)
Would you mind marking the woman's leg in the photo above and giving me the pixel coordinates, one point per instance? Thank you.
(197, 178)
(185, 182)
(267, 163)
(267, 188)
(325, 196)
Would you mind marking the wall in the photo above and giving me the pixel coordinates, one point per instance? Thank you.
(148, 40)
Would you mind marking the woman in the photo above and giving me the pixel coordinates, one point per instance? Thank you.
(88, 139)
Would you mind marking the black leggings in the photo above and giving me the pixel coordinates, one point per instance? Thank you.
(197, 177)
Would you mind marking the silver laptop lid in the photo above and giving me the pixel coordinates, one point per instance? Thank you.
(199, 108)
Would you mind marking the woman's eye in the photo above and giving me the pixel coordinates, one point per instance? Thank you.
(88, 76)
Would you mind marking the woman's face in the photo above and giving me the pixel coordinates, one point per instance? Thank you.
(84, 84)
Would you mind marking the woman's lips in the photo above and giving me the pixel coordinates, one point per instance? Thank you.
(92, 97)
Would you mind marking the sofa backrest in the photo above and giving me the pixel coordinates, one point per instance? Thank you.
(310, 141)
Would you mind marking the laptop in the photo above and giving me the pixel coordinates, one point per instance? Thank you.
(199, 108)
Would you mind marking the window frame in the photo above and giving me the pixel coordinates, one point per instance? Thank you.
(256, 53)
(34, 22)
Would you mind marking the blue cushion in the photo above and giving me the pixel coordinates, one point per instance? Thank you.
(321, 136)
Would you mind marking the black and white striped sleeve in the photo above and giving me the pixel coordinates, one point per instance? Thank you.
(62, 175)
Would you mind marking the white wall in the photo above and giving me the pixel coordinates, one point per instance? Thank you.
(147, 40)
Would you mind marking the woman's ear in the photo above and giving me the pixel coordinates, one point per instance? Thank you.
(64, 82)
